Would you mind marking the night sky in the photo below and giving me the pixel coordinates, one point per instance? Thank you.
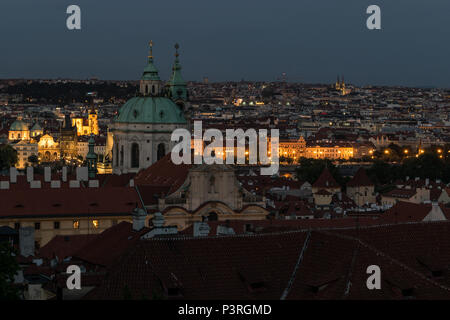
(311, 40)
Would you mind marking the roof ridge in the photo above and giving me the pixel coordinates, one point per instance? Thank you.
(297, 265)
(383, 254)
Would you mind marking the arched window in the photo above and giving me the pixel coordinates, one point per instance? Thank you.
(121, 155)
(146, 89)
(153, 89)
(135, 155)
(212, 216)
(161, 151)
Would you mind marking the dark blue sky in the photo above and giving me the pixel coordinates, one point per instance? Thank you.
(311, 40)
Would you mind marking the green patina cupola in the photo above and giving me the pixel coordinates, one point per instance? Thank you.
(177, 85)
(91, 158)
(150, 82)
(153, 106)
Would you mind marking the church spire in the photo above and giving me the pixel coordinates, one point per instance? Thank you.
(150, 81)
(91, 158)
(177, 85)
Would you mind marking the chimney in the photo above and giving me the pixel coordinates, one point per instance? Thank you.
(64, 174)
(427, 181)
(82, 174)
(158, 227)
(131, 183)
(26, 241)
(47, 174)
(93, 184)
(30, 174)
(407, 178)
(13, 175)
(4, 185)
(74, 184)
(55, 184)
(139, 216)
(35, 184)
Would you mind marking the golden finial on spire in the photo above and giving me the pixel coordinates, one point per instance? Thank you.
(177, 46)
(151, 49)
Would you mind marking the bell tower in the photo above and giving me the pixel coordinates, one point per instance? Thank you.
(150, 82)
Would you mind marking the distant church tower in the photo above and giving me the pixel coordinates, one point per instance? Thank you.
(141, 132)
(93, 121)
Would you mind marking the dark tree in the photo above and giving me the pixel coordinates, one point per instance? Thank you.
(8, 269)
(8, 156)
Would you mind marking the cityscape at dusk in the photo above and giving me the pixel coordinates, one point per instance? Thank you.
(252, 151)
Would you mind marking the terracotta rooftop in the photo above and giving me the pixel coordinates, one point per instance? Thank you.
(360, 179)
(319, 264)
(325, 180)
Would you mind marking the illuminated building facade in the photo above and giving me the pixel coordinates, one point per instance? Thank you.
(87, 126)
(330, 151)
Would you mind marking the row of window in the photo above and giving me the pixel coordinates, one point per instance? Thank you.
(57, 225)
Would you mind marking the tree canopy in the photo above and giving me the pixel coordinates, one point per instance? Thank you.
(8, 269)
(8, 156)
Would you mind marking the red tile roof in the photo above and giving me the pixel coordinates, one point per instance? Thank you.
(404, 211)
(68, 202)
(163, 173)
(65, 246)
(360, 179)
(325, 180)
(110, 244)
(319, 264)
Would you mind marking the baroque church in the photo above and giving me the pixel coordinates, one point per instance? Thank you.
(140, 134)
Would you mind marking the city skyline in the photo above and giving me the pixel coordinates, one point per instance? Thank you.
(226, 42)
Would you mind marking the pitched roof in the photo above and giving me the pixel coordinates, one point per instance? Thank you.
(107, 246)
(163, 173)
(404, 211)
(325, 180)
(65, 246)
(68, 202)
(321, 265)
(360, 179)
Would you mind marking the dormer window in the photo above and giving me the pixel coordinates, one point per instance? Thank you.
(135, 113)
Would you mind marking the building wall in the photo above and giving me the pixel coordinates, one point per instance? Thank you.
(47, 229)
(362, 194)
(147, 137)
(24, 150)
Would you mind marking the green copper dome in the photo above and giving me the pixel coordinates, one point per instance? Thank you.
(36, 127)
(150, 110)
(19, 125)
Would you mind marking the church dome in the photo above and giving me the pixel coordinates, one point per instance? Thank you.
(150, 110)
(19, 125)
(36, 127)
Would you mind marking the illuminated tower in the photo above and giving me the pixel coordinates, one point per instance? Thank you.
(93, 121)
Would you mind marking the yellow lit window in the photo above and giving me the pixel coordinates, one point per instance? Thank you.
(95, 223)
(76, 224)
